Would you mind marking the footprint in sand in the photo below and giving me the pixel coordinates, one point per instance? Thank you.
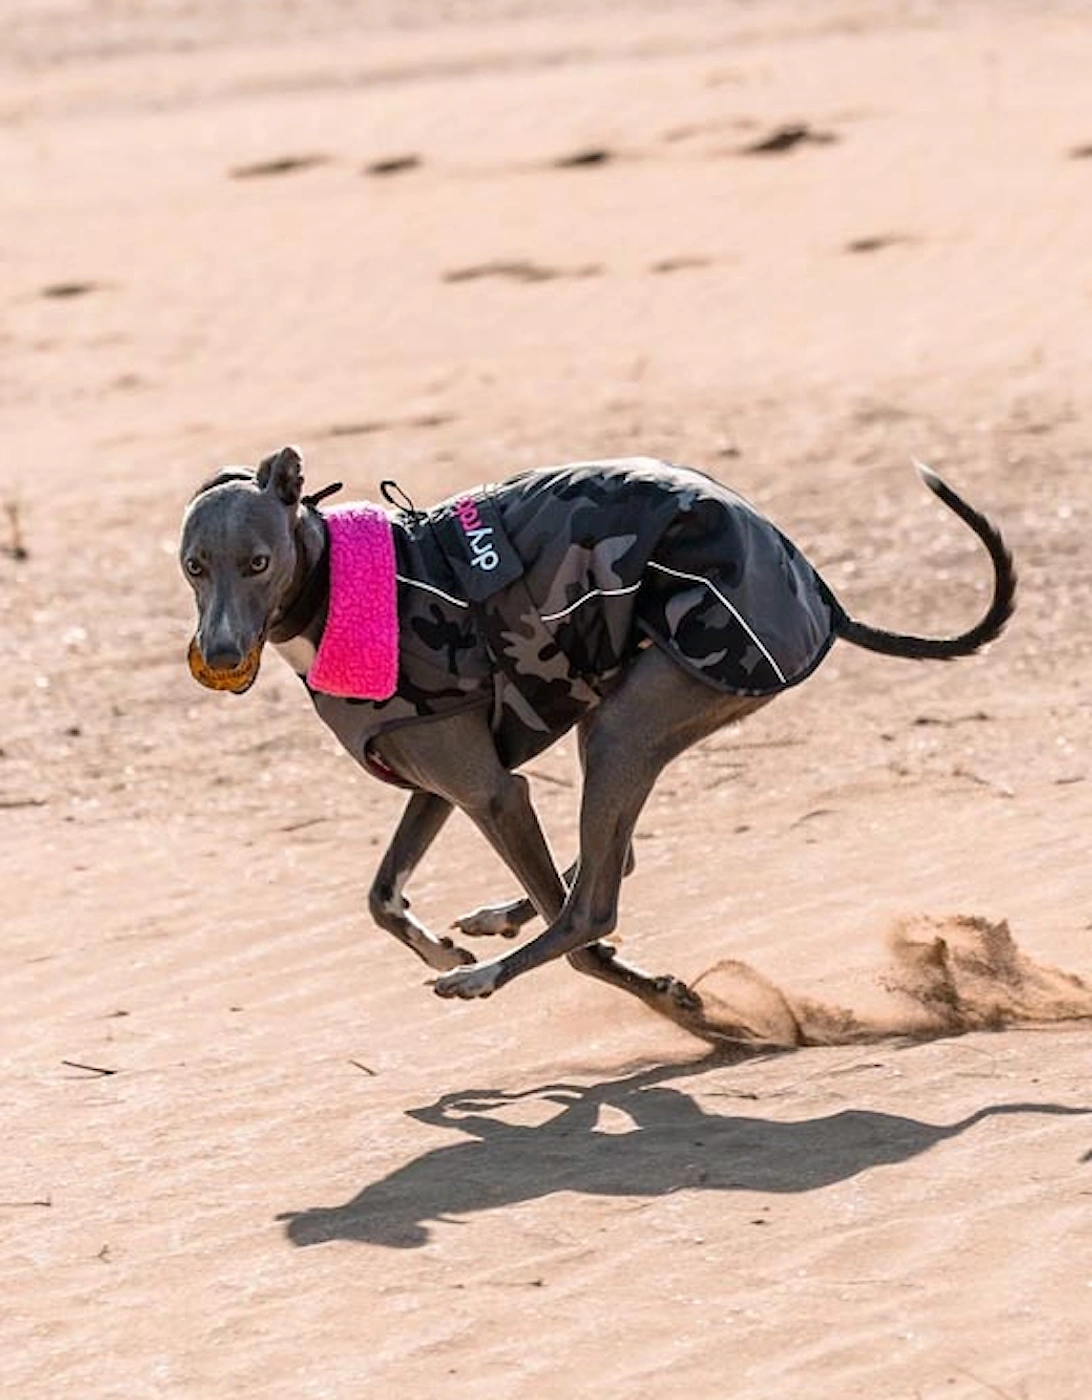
(519, 270)
(281, 165)
(578, 160)
(877, 242)
(787, 138)
(68, 291)
(393, 165)
(384, 425)
(679, 264)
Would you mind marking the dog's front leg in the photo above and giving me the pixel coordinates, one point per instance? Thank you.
(425, 814)
(505, 920)
(458, 758)
(508, 822)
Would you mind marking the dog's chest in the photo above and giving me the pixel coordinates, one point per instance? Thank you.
(299, 653)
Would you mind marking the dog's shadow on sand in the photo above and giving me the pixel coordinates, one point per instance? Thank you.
(672, 1144)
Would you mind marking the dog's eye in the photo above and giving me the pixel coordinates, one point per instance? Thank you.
(259, 564)
(194, 567)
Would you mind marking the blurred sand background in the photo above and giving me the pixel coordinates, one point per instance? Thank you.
(441, 243)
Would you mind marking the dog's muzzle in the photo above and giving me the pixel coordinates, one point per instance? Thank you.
(237, 679)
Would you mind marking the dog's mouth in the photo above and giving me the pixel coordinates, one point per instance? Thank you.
(237, 679)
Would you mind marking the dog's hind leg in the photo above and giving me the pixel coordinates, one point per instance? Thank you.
(421, 822)
(667, 995)
(505, 920)
(502, 920)
(650, 719)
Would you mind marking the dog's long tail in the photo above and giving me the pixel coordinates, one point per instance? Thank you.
(985, 630)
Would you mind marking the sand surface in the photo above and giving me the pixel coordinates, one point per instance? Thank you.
(285, 1168)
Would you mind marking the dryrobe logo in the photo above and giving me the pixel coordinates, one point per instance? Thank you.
(479, 536)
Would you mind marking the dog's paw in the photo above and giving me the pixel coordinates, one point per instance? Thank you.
(493, 921)
(677, 996)
(467, 983)
(444, 954)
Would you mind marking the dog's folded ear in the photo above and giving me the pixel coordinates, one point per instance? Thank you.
(282, 473)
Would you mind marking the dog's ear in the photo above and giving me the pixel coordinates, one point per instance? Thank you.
(282, 473)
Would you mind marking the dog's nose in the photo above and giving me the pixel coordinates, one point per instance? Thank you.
(226, 659)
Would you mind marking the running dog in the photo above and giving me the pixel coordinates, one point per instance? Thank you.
(642, 603)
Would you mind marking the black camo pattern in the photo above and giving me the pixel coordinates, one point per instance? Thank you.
(610, 556)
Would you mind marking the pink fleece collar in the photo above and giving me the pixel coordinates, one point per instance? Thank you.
(357, 657)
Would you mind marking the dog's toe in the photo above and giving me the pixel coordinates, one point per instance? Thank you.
(441, 954)
(454, 956)
(490, 922)
(468, 983)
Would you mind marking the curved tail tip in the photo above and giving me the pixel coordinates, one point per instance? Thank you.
(928, 476)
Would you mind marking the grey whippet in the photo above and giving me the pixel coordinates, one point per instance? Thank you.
(642, 603)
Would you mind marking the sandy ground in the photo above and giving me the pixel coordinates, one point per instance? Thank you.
(286, 1168)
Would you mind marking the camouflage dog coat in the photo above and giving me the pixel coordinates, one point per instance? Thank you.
(531, 597)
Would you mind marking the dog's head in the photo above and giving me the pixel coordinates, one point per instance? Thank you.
(239, 555)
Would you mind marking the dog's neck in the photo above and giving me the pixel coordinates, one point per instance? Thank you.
(298, 630)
